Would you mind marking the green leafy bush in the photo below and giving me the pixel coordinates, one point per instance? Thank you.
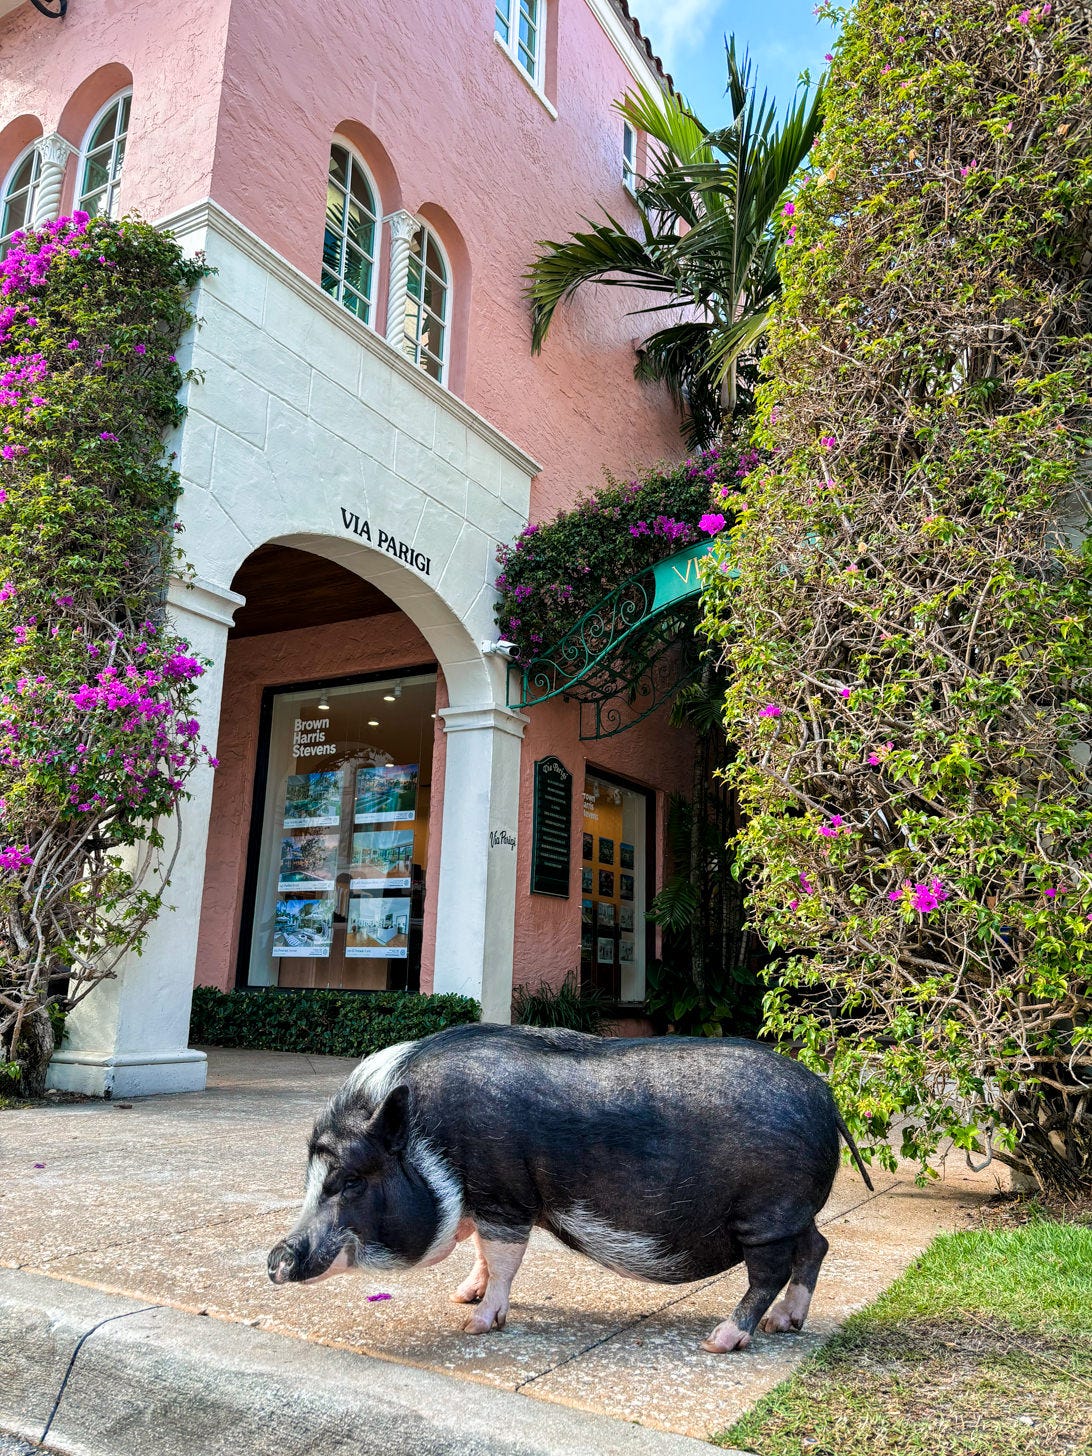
(97, 733)
(329, 1023)
(908, 637)
(556, 571)
(579, 1008)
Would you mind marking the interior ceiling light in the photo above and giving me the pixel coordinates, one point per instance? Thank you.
(323, 703)
(394, 694)
(373, 722)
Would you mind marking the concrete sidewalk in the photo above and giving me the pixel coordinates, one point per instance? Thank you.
(175, 1201)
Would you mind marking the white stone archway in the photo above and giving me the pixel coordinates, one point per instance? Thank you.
(306, 429)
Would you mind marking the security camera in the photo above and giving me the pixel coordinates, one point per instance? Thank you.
(501, 648)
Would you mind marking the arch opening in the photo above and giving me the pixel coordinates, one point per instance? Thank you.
(324, 836)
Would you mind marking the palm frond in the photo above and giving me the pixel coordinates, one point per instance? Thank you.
(705, 240)
(607, 254)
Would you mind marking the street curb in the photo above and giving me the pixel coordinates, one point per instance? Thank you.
(110, 1376)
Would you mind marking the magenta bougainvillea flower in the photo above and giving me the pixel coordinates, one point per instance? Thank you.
(771, 710)
(924, 898)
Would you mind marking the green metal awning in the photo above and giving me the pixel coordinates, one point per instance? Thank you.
(628, 655)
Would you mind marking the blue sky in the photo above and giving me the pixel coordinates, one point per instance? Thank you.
(783, 35)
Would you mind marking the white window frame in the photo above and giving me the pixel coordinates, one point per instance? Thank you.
(377, 237)
(629, 158)
(31, 191)
(413, 345)
(507, 13)
(113, 186)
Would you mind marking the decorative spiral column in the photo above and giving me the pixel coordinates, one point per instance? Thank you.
(53, 154)
(404, 228)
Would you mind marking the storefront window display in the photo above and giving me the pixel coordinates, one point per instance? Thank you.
(613, 929)
(337, 872)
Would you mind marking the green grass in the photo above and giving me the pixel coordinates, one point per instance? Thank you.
(982, 1348)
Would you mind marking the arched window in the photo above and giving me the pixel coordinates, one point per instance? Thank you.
(102, 157)
(428, 304)
(17, 199)
(350, 245)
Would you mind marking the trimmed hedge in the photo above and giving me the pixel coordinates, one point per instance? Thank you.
(330, 1023)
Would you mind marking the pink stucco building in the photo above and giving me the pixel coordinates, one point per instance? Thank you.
(369, 181)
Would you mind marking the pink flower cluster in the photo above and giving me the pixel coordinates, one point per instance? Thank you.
(23, 272)
(771, 710)
(14, 858)
(22, 369)
(922, 897)
(835, 826)
(665, 526)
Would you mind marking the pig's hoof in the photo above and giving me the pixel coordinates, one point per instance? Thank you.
(726, 1337)
(471, 1290)
(781, 1320)
(482, 1321)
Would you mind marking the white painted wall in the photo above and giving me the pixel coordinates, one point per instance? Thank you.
(304, 419)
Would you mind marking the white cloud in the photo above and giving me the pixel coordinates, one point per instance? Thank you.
(676, 27)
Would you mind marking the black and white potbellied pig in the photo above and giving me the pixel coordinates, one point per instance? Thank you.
(667, 1160)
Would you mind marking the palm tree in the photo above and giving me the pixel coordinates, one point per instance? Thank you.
(706, 241)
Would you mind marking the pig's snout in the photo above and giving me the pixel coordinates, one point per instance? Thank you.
(283, 1263)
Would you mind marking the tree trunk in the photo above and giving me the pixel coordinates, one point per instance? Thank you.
(1054, 1152)
(33, 1053)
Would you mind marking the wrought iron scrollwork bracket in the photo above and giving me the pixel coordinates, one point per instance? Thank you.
(57, 11)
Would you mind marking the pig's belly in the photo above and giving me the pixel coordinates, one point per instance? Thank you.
(643, 1256)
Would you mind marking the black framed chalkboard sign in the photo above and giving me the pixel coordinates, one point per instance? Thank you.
(551, 830)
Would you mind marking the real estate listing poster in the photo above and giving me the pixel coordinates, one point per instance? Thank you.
(303, 927)
(378, 926)
(308, 861)
(385, 793)
(382, 859)
(312, 801)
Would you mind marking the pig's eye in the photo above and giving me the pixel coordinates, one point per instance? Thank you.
(352, 1183)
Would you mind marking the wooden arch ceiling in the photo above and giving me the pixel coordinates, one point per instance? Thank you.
(287, 589)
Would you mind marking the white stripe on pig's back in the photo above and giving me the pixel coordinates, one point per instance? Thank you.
(374, 1077)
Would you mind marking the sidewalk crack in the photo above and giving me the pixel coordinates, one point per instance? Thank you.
(75, 1353)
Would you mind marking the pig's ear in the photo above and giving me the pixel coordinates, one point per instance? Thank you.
(390, 1125)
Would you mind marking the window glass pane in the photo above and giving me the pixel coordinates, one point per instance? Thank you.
(126, 103)
(361, 191)
(355, 304)
(340, 888)
(412, 329)
(104, 132)
(18, 201)
(24, 174)
(435, 296)
(330, 283)
(335, 209)
(433, 337)
(331, 250)
(119, 157)
(339, 162)
(414, 278)
(93, 202)
(433, 368)
(357, 270)
(501, 23)
(613, 929)
(96, 178)
(15, 214)
(434, 259)
(361, 229)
